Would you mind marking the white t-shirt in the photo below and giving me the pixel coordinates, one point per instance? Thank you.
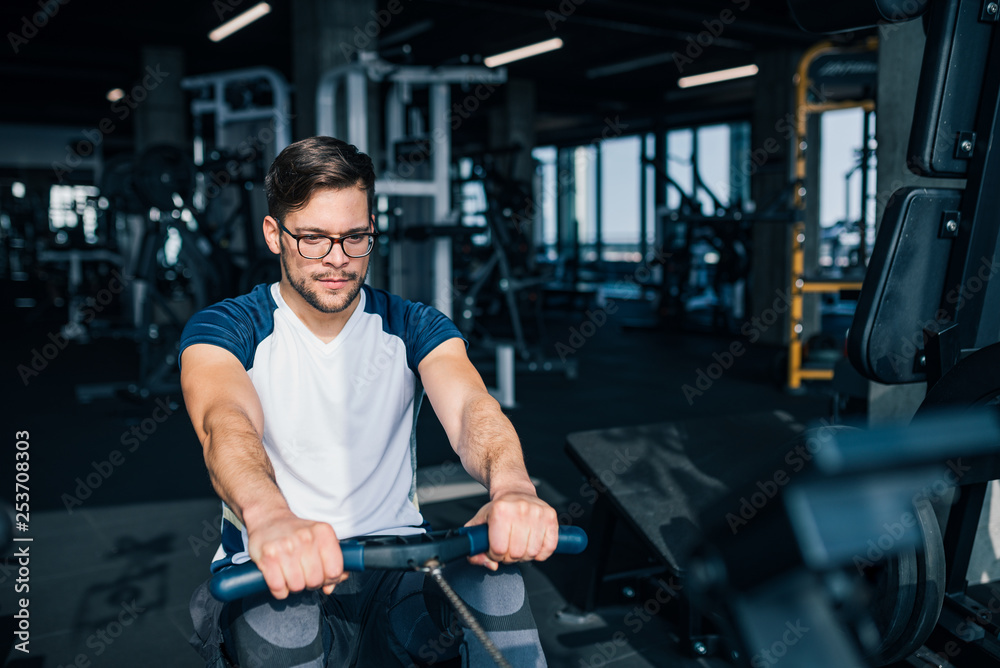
(339, 417)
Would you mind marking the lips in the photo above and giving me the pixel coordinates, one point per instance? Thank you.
(335, 282)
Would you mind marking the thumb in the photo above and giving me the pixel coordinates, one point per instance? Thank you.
(481, 517)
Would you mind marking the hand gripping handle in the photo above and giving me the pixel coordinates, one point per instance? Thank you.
(245, 579)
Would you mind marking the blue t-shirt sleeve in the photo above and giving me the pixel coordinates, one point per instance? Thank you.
(426, 329)
(237, 325)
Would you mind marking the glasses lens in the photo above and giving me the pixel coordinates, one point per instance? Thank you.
(357, 245)
(314, 248)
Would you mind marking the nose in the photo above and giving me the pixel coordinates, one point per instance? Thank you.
(337, 257)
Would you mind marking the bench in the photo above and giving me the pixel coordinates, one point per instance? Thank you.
(657, 479)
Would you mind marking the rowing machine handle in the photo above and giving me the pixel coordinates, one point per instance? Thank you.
(245, 579)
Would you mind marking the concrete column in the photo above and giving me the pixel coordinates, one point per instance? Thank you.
(569, 260)
(326, 34)
(514, 124)
(160, 118)
(771, 143)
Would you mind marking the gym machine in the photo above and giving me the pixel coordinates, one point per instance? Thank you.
(415, 185)
(927, 312)
(844, 563)
(498, 284)
(688, 275)
(241, 120)
(189, 221)
(815, 94)
(416, 152)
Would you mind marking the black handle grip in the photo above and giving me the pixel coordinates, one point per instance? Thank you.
(390, 553)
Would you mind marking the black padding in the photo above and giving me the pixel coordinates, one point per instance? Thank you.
(903, 288)
(951, 79)
(824, 18)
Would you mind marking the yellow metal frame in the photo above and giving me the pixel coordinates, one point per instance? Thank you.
(800, 286)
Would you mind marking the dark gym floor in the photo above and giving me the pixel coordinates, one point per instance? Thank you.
(124, 522)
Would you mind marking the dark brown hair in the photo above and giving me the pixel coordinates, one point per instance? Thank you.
(311, 164)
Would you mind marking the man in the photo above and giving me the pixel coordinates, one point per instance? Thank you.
(304, 395)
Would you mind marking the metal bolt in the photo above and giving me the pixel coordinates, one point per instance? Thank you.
(966, 146)
(798, 328)
(992, 8)
(699, 648)
(951, 225)
(799, 283)
(800, 238)
(629, 592)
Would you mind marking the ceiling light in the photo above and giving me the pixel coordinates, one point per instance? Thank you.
(239, 22)
(523, 52)
(716, 77)
(115, 94)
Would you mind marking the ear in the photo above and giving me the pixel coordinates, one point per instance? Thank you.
(272, 235)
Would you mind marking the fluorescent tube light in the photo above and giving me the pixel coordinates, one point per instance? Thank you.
(716, 77)
(523, 52)
(239, 22)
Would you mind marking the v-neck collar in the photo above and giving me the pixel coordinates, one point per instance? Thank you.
(308, 335)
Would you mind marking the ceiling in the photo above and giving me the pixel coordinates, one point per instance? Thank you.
(59, 74)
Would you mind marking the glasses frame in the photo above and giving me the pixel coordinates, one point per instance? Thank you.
(333, 242)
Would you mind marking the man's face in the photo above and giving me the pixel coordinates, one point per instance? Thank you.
(330, 284)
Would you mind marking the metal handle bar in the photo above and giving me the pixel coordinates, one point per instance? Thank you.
(390, 553)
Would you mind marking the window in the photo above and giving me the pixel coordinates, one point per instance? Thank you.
(598, 200)
(620, 190)
(585, 178)
(840, 199)
(699, 162)
(546, 196)
(70, 206)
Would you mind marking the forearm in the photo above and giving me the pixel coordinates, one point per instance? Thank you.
(239, 468)
(490, 449)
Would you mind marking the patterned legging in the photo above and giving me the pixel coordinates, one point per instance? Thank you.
(380, 618)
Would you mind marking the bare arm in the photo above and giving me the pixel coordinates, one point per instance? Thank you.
(292, 553)
(522, 526)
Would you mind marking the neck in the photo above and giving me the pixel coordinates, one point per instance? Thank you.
(325, 326)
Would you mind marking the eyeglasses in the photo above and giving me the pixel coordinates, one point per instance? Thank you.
(318, 246)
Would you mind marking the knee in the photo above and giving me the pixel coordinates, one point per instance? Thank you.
(497, 593)
(263, 632)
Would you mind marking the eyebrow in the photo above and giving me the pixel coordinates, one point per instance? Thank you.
(316, 230)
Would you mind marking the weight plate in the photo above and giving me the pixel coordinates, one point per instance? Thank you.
(921, 579)
(894, 595)
(932, 581)
(972, 382)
